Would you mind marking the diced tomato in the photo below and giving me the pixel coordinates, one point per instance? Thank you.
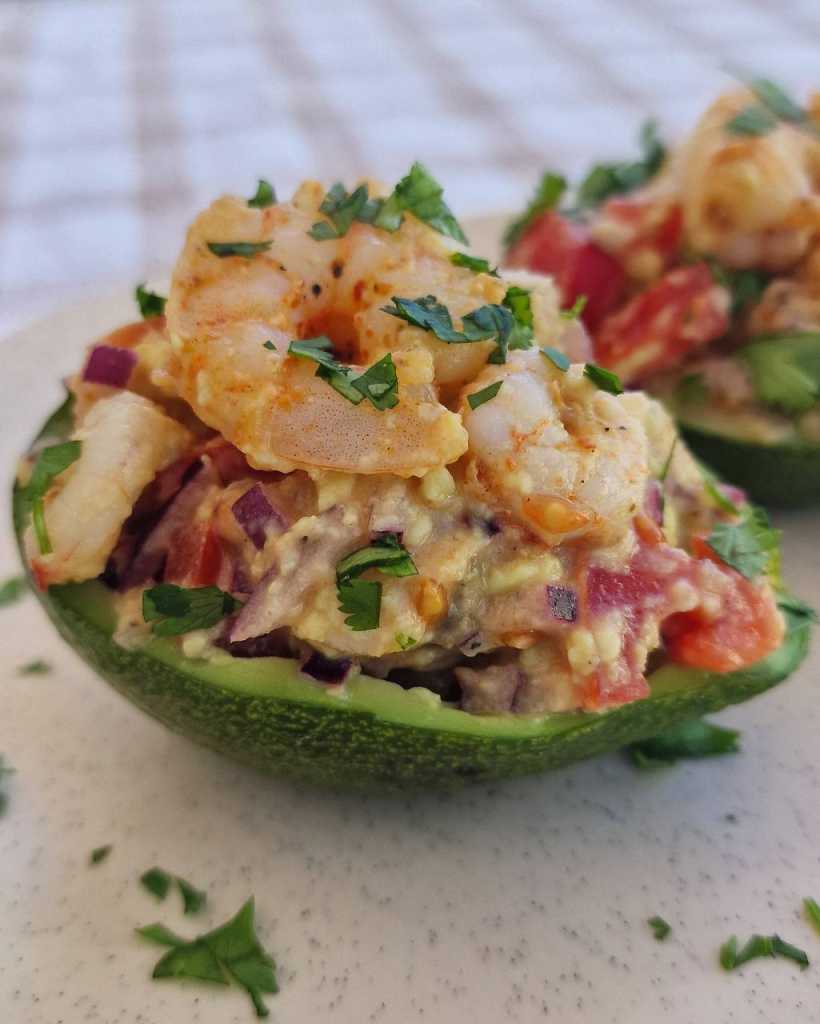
(644, 234)
(683, 311)
(195, 556)
(563, 248)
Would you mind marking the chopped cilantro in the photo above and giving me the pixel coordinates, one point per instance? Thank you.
(477, 264)
(100, 854)
(660, 928)
(360, 600)
(482, 324)
(695, 739)
(37, 667)
(748, 546)
(157, 882)
(547, 196)
(193, 900)
(745, 285)
(12, 590)
(174, 610)
(812, 909)
(664, 473)
(775, 98)
(50, 463)
(759, 946)
(478, 398)
(341, 208)
(575, 310)
(752, 120)
(785, 369)
(405, 642)
(419, 193)
(230, 953)
(245, 249)
(265, 195)
(150, 304)
(556, 357)
(269, 345)
(610, 179)
(519, 302)
(4, 770)
(603, 379)
(713, 490)
(379, 383)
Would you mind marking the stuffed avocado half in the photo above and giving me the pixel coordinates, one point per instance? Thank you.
(354, 508)
(701, 272)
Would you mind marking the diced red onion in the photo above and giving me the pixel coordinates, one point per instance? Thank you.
(563, 603)
(736, 495)
(653, 502)
(254, 513)
(109, 365)
(327, 670)
(240, 584)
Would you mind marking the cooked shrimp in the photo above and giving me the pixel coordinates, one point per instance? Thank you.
(566, 459)
(272, 406)
(126, 441)
(749, 200)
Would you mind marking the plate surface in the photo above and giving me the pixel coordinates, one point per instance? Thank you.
(520, 902)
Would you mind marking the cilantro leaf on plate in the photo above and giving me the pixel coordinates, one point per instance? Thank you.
(660, 928)
(98, 855)
(694, 739)
(12, 590)
(759, 946)
(264, 196)
(36, 667)
(230, 953)
(156, 881)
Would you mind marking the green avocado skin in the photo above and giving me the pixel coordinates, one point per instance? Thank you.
(780, 476)
(375, 736)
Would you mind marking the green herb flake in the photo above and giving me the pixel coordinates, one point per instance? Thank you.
(758, 946)
(12, 590)
(483, 324)
(379, 383)
(231, 953)
(660, 928)
(575, 310)
(37, 667)
(547, 196)
(156, 881)
(5, 769)
(51, 462)
(175, 610)
(341, 208)
(478, 398)
(749, 546)
(247, 250)
(751, 121)
(556, 357)
(420, 194)
(668, 462)
(775, 98)
(193, 900)
(360, 600)
(610, 179)
(519, 302)
(150, 304)
(696, 739)
(477, 264)
(785, 370)
(100, 854)
(405, 642)
(812, 910)
(264, 196)
(269, 345)
(604, 380)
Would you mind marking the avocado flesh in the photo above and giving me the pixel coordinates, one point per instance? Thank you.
(781, 475)
(371, 734)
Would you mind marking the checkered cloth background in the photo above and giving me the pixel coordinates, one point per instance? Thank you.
(118, 120)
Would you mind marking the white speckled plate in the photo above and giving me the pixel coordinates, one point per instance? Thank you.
(520, 902)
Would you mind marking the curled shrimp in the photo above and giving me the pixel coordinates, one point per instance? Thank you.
(223, 311)
(566, 459)
(126, 440)
(749, 200)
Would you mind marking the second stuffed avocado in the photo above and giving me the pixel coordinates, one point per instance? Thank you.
(702, 282)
